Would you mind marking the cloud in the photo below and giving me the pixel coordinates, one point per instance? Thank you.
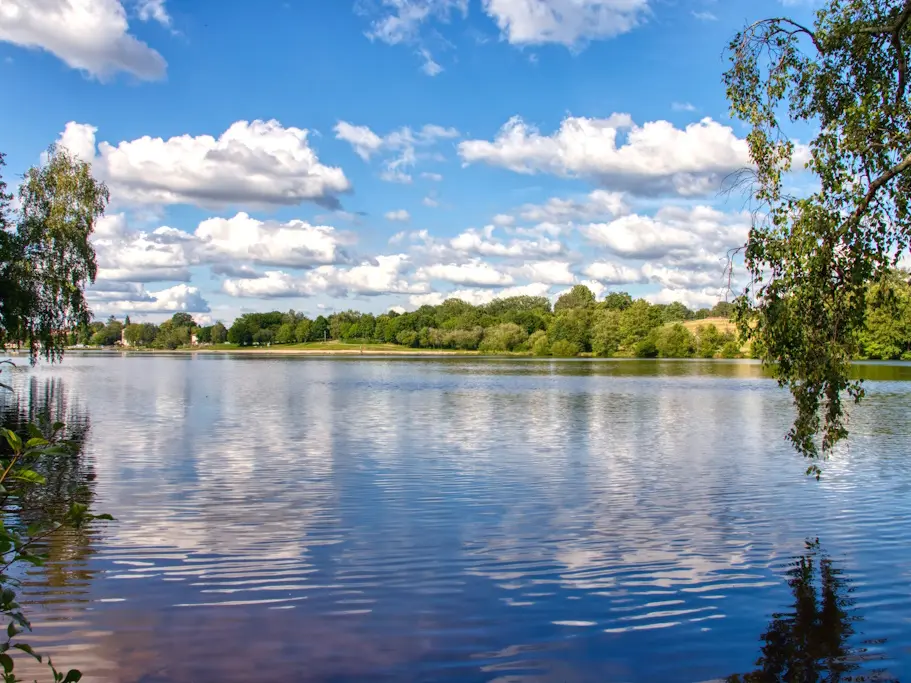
(403, 142)
(435, 177)
(154, 10)
(478, 296)
(672, 231)
(484, 243)
(613, 273)
(679, 278)
(256, 163)
(382, 275)
(683, 106)
(655, 158)
(229, 245)
(473, 242)
(476, 272)
(125, 255)
(430, 201)
(597, 204)
(89, 35)
(429, 67)
(400, 215)
(405, 17)
(550, 272)
(565, 22)
(693, 300)
(294, 243)
(170, 300)
(705, 16)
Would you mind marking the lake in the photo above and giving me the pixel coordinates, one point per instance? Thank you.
(468, 519)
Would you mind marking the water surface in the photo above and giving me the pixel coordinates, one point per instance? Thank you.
(464, 519)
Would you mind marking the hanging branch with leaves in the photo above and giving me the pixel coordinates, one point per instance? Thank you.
(811, 258)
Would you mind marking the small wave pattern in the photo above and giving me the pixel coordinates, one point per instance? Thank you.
(389, 520)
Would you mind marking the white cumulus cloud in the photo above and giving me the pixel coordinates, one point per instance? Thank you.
(254, 163)
(382, 275)
(654, 158)
(676, 231)
(89, 35)
(479, 296)
(400, 215)
(294, 243)
(613, 273)
(478, 273)
(171, 300)
(565, 22)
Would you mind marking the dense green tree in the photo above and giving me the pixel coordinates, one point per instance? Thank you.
(302, 331)
(285, 334)
(204, 334)
(811, 256)
(538, 344)
(504, 337)
(109, 335)
(617, 301)
(219, 333)
(263, 337)
(407, 338)
(709, 341)
(572, 325)
(723, 309)
(674, 312)
(675, 341)
(637, 321)
(647, 347)
(171, 336)
(579, 296)
(886, 334)
(181, 319)
(320, 329)
(240, 333)
(606, 335)
(563, 348)
(46, 259)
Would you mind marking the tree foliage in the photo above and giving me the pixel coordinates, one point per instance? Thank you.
(811, 257)
(46, 259)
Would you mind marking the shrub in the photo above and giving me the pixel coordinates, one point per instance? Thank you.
(564, 349)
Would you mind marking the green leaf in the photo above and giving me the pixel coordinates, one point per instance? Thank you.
(29, 476)
(36, 441)
(34, 431)
(11, 630)
(27, 649)
(72, 676)
(12, 439)
(6, 662)
(57, 426)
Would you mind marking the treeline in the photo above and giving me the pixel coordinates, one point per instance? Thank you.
(577, 323)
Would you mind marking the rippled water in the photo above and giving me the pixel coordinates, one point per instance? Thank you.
(304, 519)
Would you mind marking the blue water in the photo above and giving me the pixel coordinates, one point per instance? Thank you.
(306, 519)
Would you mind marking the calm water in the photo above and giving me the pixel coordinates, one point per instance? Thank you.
(303, 519)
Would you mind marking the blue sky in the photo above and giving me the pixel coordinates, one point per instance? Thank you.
(322, 155)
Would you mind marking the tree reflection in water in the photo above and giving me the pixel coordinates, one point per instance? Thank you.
(70, 479)
(810, 644)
